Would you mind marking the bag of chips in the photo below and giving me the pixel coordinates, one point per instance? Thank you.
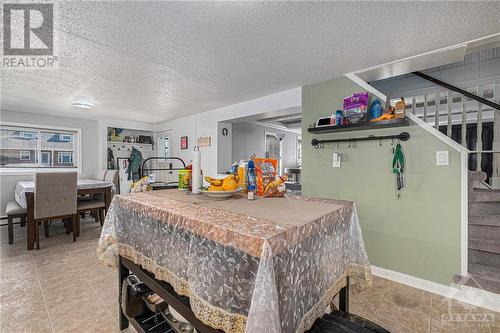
(276, 188)
(265, 173)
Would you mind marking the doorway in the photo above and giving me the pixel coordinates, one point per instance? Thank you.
(274, 148)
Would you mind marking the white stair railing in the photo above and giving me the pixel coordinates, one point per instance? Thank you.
(457, 109)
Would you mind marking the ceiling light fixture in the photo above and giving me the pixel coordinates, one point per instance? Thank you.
(83, 105)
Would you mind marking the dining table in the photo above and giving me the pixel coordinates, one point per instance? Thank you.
(24, 196)
(269, 265)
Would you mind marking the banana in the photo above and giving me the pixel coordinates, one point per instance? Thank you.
(213, 181)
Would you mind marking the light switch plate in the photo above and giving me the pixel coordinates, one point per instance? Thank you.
(442, 158)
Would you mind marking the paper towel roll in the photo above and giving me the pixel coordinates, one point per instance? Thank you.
(197, 181)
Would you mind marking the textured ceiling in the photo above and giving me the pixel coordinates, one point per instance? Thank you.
(154, 61)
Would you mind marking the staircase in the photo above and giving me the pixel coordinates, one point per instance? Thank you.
(484, 235)
(454, 112)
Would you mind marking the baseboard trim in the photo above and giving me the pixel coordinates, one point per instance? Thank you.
(473, 296)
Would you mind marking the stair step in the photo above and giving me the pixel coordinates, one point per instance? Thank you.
(477, 176)
(484, 232)
(485, 195)
(484, 258)
(489, 220)
(484, 208)
(487, 245)
(485, 271)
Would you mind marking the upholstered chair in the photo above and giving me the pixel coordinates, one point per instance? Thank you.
(55, 197)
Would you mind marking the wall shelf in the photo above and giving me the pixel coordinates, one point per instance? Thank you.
(359, 126)
(128, 143)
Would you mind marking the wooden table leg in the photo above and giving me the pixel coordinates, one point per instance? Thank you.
(123, 272)
(30, 229)
(344, 298)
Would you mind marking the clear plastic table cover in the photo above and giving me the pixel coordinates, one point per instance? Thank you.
(242, 272)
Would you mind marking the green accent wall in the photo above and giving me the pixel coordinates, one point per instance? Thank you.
(419, 234)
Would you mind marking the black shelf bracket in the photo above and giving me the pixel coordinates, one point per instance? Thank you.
(403, 136)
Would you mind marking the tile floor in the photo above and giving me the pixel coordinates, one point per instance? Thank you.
(63, 288)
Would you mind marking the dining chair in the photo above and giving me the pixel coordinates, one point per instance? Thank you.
(98, 213)
(55, 197)
(92, 206)
(109, 176)
(13, 211)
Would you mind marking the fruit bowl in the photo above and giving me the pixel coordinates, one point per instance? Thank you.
(220, 194)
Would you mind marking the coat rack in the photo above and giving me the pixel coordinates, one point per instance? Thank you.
(403, 136)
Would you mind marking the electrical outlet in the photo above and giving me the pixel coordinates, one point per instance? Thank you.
(442, 158)
(336, 160)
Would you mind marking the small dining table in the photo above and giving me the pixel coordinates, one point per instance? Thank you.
(270, 265)
(25, 197)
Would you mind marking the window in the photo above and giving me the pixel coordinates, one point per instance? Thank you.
(31, 147)
(45, 158)
(65, 157)
(65, 137)
(28, 135)
(24, 155)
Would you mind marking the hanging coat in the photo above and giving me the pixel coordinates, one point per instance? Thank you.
(134, 166)
(111, 159)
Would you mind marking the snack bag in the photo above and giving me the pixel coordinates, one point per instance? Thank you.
(355, 107)
(265, 170)
(276, 188)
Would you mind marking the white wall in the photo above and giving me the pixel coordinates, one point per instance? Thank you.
(249, 139)
(224, 147)
(88, 140)
(206, 123)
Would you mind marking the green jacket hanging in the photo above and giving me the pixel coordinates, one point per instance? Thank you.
(135, 165)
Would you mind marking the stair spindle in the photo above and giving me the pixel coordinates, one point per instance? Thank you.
(425, 108)
(479, 130)
(436, 111)
(448, 102)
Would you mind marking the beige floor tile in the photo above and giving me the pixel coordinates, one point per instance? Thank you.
(30, 324)
(404, 309)
(18, 278)
(79, 294)
(106, 281)
(13, 250)
(97, 324)
(15, 267)
(56, 298)
(81, 309)
(366, 303)
(19, 235)
(24, 313)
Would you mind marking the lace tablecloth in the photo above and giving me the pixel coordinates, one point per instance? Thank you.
(269, 265)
